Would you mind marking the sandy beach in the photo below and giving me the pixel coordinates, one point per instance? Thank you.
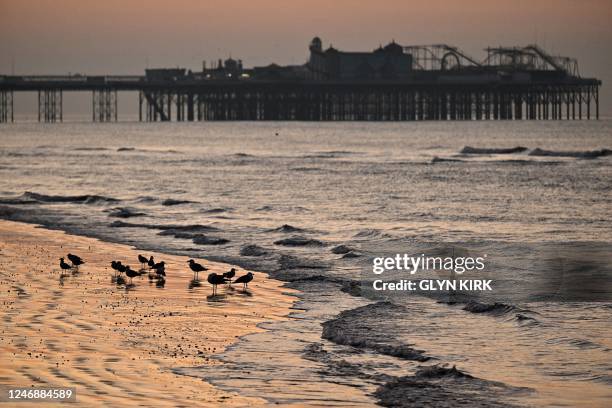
(117, 346)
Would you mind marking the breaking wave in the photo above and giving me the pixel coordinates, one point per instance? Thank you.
(172, 201)
(299, 241)
(486, 150)
(125, 212)
(206, 240)
(32, 198)
(287, 228)
(90, 149)
(437, 159)
(490, 308)
(350, 328)
(169, 229)
(588, 154)
(442, 387)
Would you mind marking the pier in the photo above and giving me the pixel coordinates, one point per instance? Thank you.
(394, 83)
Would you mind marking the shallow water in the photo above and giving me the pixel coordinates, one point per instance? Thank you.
(210, 189)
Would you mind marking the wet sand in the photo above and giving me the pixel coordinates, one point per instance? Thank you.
(118, 346)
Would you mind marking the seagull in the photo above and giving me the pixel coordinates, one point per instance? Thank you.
(64, 265)
(143, 260)
(196, 268)
(115, 266)
(215, 280)
(121, 267)
(130, 273)
(151, 262)
(76, 261)
(118, 267)
(245, 279)
(229, 275)
(160, 269)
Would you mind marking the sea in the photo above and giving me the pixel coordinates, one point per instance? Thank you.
(314, 204)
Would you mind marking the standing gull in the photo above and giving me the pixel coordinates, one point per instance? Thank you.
(215, 280)
(76, 261)
(245, 279)
(196, 268)
(229, 275)
(130, 273)
(143, 261)
(160, 269)
(64, 265)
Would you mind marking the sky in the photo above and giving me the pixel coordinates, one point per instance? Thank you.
(124, 37)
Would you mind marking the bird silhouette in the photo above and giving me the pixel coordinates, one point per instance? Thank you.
(64, 265)
(120, 268)
(215, 279)
(130, 273)
(76, 261)
(143, 261)
(229, 275)
(151, 262)
(245, 279)
(115, 266)
(196, 268)
(160, 269)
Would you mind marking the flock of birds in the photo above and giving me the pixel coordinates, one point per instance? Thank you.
(157, 272)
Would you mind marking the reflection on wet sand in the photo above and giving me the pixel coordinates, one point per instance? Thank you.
(116, 344)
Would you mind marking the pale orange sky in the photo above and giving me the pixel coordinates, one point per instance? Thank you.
(112, 36)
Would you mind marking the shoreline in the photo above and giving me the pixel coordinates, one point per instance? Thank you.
(116, 345)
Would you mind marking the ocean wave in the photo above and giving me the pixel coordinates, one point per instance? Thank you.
(299, 241)
(520, 316)
(167, 229)
(486, 150)
(334, 366)
(341, 249)
(206, 240)
(437, 159)
(306, 169)
(442, 387)
(32, 198)
(141, 150)
(24, 154)
(582, 344)
(125, 212)
(217, 210)
(145, 199)
(353, 328)
(526, 321)
(489, 308)
(587, 154)
(371, 233)
(90, 149)
(328, 154)
(287, 229)
(171, 202)
(253, 250)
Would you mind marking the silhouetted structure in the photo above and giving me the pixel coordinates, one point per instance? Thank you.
(394, 82)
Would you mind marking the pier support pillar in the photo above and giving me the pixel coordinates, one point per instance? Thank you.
(6, 107)
(596, 102)
(104, 105)
(50, 105)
